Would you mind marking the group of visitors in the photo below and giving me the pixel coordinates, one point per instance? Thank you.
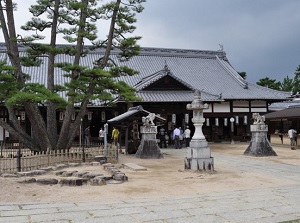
(177, 136)
(114, 136)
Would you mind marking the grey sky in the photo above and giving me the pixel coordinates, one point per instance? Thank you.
(260, 37)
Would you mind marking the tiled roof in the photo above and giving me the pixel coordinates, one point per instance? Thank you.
(284, 104)
(285, 113)
(207, 71)
(174, 96)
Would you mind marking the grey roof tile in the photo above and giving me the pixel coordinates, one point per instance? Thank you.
(207, 71)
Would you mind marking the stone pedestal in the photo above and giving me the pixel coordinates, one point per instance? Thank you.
(198, 154)
(259, 145)
(148, 148)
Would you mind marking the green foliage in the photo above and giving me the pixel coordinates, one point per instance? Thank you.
(270, 83)
(287, 84)
(35, 93)
(296, 81)
(243, 75)
(8, 84)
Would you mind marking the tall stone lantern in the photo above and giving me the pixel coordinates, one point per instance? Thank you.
(198, 154)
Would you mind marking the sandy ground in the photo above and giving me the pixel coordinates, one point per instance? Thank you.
(164, 177)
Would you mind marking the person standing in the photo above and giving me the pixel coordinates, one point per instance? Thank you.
(115, 136)
(176, 134)
(292, 135)
(101, 137)
(187, 136)
(162, 138)
(181, 138)
(87, 136)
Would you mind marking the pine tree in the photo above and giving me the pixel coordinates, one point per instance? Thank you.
(296, 82)
(76, 21)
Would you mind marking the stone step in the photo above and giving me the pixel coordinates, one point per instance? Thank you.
(134, 167)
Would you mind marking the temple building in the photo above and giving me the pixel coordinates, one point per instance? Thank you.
(166, 83)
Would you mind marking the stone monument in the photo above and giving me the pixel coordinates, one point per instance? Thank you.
(198, 154)
(148, 147)
(259, 145)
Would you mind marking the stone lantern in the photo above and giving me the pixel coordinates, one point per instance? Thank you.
(198, 154)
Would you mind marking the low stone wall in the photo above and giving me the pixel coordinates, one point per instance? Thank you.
(71, 178)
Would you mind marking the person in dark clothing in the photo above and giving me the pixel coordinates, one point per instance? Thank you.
(162, 138)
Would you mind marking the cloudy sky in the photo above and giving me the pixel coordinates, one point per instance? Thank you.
(260, 37)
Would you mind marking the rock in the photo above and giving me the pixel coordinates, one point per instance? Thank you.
(95, 163)
(22, 174)
(38, 172)
(61, 166)
(79, 174)
(58, 173)
(100, 158)
(113, 182)
(9, 175)
(106, 165)
(73, 164)
(98, 181)
(112, 169)
(102, 162)
(91, 175)
(27, 180)
(73, 182)
(47, 181)
(120, 177)
(48, 168)
(68, 173)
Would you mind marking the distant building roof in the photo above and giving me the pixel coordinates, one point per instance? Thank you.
(284, 104)
(285, 113)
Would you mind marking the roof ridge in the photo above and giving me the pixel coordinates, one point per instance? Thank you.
(148, 51)
(233, 73)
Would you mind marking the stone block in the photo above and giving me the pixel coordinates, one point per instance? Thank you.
(98, 181)
(206, 164)
(91, 175)
(79, 174)
(100, 158)
(29, 173)
(195, 153)
(38, 172)
(68, 173)
(120, 177)
(73, 182)
(5, 175)
(48, 168)
(95, 163)
(27, 180)
(47, 181)
(58, 173)
(73, 164)
(61, 166)
(198, 143)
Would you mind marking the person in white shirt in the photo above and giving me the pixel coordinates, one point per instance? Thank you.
(292, 135)
(101, 137)
(176, 134)
(187, 136)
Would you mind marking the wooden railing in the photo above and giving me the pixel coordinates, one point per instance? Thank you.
(11, 161)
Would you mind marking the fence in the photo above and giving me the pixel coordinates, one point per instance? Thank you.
(16, 158)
